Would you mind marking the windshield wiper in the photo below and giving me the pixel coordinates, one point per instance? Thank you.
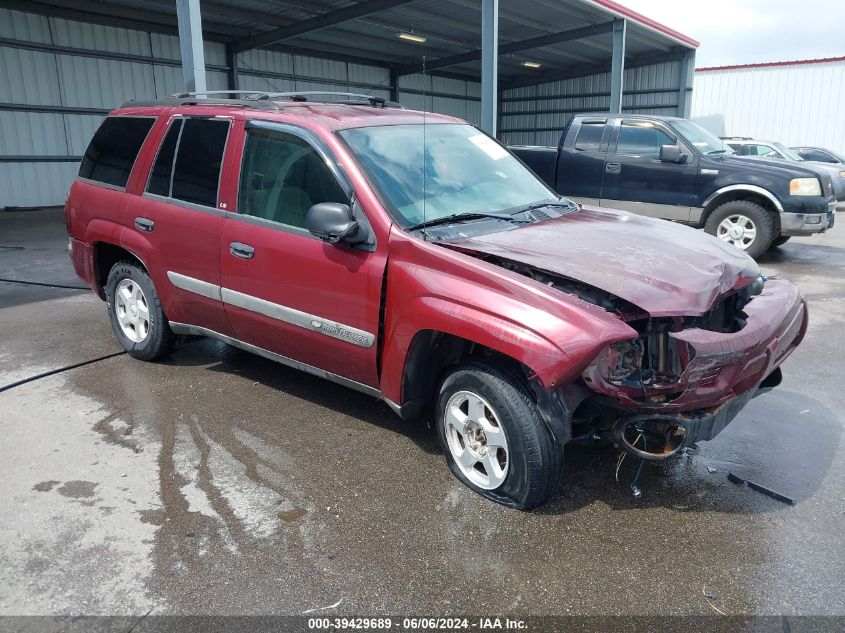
(717, 151)
(464, 217)
(562, 202)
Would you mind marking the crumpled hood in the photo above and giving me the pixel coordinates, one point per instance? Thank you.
(662, 267)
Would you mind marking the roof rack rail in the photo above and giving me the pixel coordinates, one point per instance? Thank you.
(300, 96)
(185, 95)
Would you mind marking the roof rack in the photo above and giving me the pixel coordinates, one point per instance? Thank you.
(301, 96)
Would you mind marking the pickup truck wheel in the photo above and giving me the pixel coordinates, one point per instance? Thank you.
(743, 224)
(780, 240)
(135, 311)
(493, 438)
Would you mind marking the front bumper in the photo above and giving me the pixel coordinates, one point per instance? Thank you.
(808, 223)
(724, 371)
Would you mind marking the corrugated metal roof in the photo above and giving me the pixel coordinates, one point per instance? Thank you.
(451, 27)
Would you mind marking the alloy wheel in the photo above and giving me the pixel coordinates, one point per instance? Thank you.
(132, 310)
(476, 440)
(737, 230)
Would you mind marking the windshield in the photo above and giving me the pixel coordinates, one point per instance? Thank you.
(790, 154)
(701, 139)
(446, 169)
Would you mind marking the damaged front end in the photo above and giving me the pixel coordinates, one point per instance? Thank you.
(684, 378)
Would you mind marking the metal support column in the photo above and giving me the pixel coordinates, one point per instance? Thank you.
(685, 82)
(394, 86)
(489, 64)
(232, 68)
(617, 69)
(190, 44)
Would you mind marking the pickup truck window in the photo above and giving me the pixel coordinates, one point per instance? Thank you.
(589, 136)
(282, 177)
(196, 174)
(642, 138)
(427, 172)
(114, 148)
(701, 139)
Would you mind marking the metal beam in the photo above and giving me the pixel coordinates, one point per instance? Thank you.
(190, 45)
(318, 22)
(617, 66)
(232, 68)
(117, 16)
(685, 81)
(594, 69)
(489, 64)
(513, 47)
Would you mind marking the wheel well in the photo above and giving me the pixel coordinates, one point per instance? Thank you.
(749, 196)
(433, 353)
(105, 257)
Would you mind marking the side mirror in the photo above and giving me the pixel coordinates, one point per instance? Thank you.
(672, 154)
(332, 222)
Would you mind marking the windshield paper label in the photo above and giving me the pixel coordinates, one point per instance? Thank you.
(489, 146)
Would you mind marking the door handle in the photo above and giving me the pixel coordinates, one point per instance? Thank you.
(613, 168)
(244, 251)
(144, 224)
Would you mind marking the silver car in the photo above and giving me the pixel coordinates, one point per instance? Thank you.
(754, 148)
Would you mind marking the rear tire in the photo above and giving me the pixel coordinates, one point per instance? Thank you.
(780, 240)
(743, 224)
(493, 438)
(137, 319)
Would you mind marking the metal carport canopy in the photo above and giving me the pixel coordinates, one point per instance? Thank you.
(561, 38)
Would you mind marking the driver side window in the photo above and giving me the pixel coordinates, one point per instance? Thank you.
(282, 176)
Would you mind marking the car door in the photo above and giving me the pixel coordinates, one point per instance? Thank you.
(176, 222)
(580, 175)
(635, 179)
(285, 290)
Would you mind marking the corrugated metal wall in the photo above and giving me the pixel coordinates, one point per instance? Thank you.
(60, 77)
(454, 97)
(536, 115)
(802, 104)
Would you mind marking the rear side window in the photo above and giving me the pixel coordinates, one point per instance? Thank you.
(196, 174)
(114, 148)
(589, 137)
(160, 176)
(642, 138)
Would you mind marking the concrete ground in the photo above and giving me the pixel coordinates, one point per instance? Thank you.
(219, 482)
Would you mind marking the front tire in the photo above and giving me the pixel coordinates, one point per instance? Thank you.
(493, 438)
(137, 319)
(743, 224)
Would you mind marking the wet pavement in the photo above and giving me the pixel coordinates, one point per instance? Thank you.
(220, 482)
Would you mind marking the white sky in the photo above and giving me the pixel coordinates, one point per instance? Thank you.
(750, 31)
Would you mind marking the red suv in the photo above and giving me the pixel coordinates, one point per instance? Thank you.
(412, 257)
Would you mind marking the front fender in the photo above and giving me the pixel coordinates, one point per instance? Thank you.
(545, 359)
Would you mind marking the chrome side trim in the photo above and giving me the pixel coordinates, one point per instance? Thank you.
(197, 286)
(753, 188)
(276, 311)
(194, 330)
(301, 319)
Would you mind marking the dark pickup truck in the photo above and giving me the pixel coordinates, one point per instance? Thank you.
(674, 169)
